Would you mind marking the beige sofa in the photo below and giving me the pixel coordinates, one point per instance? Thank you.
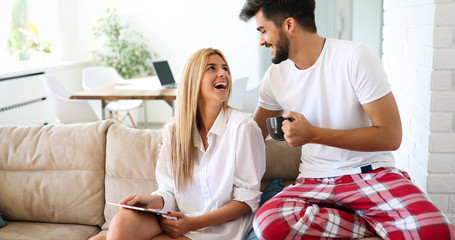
(55, 180)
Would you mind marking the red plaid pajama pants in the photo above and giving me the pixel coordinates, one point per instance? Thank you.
(381, 203)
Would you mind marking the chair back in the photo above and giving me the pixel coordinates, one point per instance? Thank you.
(238, 92)
(97, 76)
(67, 110)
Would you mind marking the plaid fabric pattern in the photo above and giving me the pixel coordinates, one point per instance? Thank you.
(381, 203)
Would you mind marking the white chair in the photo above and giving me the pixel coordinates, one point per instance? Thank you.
(67, 110)
(97, 76)
(238, 92)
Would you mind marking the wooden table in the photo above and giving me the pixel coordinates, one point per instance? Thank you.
(119, 91)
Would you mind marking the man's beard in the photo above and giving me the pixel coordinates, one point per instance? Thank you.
(281, 49)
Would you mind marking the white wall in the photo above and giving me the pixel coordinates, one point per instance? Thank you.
(334, 18)
(367, 23)
(175, 29)
(356, 20)
(419, 53)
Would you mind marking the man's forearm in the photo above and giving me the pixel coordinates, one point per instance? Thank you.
(361, 139)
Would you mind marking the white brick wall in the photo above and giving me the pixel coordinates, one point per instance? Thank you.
(419, 57)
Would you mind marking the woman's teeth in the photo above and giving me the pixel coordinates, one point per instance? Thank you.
(220, 86)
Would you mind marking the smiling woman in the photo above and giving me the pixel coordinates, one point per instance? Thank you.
(211, 192)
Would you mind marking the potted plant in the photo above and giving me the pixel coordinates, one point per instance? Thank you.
(123, 48)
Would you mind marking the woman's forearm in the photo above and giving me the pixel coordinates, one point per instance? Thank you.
(231, 210)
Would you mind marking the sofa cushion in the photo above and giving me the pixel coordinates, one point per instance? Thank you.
(271, 190)
(2, 222)
(130, 164)
(53, 173)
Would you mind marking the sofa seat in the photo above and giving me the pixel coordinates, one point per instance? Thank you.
(48, 231)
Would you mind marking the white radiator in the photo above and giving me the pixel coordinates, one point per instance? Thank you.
(23, 100)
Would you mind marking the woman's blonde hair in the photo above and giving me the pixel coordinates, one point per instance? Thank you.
(182, 142)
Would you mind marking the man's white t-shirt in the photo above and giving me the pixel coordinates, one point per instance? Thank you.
(330, 94)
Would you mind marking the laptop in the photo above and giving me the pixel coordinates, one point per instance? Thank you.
(164, 73)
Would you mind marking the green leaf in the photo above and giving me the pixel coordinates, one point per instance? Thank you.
(33, 28)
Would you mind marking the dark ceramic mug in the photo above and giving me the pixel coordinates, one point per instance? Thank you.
(274, 125)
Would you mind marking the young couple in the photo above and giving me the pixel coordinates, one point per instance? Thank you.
(346, 120)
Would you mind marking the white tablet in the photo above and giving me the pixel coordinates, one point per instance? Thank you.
(138, 208)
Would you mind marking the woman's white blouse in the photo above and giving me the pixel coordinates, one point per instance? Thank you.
(230, 168)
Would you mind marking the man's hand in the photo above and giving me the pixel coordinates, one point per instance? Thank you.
(298, 132)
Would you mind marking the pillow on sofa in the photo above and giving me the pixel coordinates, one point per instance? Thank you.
(271, 190)
(137, 174)
(2, 222)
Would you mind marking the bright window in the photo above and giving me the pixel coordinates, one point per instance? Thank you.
(28, 29)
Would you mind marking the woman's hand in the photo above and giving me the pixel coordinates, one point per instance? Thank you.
(176, 228)
(136, 200)
(184, 224)
(147, 201)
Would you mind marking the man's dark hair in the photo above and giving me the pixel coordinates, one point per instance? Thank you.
(278, 10)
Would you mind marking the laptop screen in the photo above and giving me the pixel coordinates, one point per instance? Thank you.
(164, 73)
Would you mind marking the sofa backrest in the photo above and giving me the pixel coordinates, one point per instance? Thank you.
(282, 162)
(53, 173)
(130, 164)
